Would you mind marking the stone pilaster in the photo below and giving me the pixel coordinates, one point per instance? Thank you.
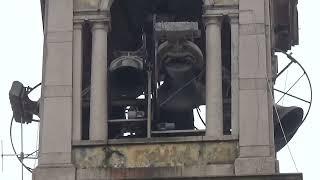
(255, 102)
(56, 100)
(234, 23)
(77, 81)
(98, 101)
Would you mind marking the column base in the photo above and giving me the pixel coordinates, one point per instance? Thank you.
(55, 172)
(255, 166)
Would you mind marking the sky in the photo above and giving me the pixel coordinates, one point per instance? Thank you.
(21, 42)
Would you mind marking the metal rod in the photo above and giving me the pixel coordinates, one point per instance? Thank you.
(126, 120)
(291, 87)
(308, 78)
(285, 68)
(32, 158)
(2, 156)
(292, 96)
(27, 155)
(22, 154)
(149, 106)
(155, 70)
(14, 149)
(8, 155)
(33, 88)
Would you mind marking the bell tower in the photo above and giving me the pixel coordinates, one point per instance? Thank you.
(123, 80)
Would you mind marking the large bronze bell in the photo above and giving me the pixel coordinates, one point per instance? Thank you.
(291, 119)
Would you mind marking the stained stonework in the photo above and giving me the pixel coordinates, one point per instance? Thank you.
(156, 155)
(92, 5)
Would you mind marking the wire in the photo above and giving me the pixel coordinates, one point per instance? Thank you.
(285, 83)
(37, 146)
(271, 92)
(282, 129)
(14, 149)
(180, 89)
(306, 74)
(198, 111)
(291, 87)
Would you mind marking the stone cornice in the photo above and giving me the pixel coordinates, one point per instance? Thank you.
(214, 4)
(221, 11)
(92, 17)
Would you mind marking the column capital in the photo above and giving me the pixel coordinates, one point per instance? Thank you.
(100, 25)
(212, 19)
(78, 24)
(234, 18)
(208, 3)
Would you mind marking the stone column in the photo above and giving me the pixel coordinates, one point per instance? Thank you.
(214, 111)
(77, 81)
(98, 101)
(234, 20)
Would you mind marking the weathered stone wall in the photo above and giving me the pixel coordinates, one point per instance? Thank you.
(156, 155)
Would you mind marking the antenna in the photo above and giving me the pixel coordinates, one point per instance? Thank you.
(21, 156)
(23, 110)
(3, 155)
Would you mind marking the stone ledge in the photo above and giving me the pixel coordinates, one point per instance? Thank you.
(169, 173)
(61, 172)
(154, 140)
(255, 165)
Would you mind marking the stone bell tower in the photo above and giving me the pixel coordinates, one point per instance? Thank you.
(77, 133)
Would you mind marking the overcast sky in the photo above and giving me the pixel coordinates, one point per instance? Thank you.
(21, 42)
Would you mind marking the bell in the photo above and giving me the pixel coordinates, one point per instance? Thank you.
(181, 91)
(291, 120)
(127, 76)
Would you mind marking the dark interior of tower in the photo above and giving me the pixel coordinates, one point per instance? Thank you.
(175, 61)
